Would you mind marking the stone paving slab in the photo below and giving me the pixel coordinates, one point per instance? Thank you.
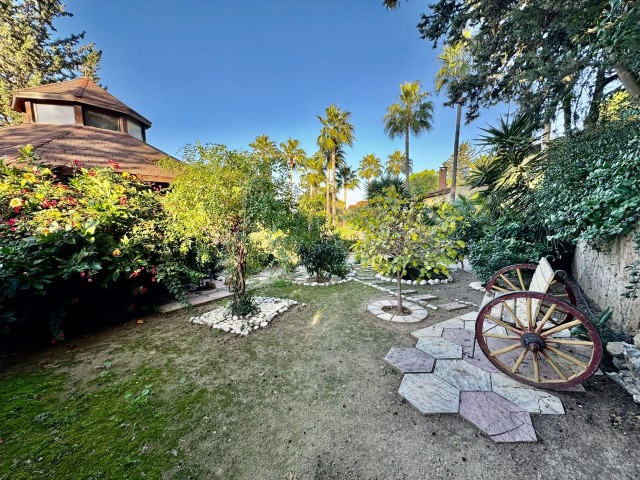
(532, 400)
(433, 331)
(453, 306)
(409, 360)
(502, 420)
(429, 394)
(439, 348)
(464, 338)
(463, 375)
(425, 297)
(417, 312)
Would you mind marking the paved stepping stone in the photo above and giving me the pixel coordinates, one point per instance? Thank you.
(429, 393)
(409, 360)
(463, 375)
(433, 331)
(426, 297)
(502, 420)
(451, 307)
(439, 348)
(464, 338)
(480, 360)
(532, 400)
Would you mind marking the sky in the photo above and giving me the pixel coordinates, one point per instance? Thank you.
(228, 71)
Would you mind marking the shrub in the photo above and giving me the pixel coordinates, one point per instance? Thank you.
(82, 249)
(387, 184)
(327, 255)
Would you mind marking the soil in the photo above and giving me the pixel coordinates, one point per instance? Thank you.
(394, 310)
(310, 397)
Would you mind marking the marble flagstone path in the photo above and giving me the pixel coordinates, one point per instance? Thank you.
(448, 373)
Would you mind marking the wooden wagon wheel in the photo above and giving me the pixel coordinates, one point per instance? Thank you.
(527, 344)
(517, 277)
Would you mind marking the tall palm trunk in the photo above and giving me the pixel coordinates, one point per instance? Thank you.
(344, 219)
(291, 179)
(333, 185)
(456, 145)
(629, 81)
(406, 156)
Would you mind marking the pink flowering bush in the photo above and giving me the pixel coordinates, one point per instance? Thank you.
(89, 247)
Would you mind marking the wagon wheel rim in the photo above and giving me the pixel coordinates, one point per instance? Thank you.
(514, 279)
(521, 341)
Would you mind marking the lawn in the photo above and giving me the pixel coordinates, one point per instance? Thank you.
(308, 397)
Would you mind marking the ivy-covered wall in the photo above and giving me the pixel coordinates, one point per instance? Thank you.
(602, 276)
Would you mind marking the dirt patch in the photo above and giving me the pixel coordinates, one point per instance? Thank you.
(310, 397)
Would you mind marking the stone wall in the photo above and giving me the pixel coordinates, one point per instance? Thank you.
(602, 277)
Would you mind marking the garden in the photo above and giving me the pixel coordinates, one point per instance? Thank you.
(291, 373)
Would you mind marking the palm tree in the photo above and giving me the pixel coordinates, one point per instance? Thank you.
(314, 172)
(412, 114)
(379, 187)
(396, 164)
(336, 131)
(347, 180)
(370, 167)
(266, 150)
(456, 65)
(294, 156)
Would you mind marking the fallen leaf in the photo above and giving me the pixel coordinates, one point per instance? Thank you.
(139, 322)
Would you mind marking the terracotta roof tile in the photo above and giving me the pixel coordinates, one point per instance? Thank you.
(81, 90)
(60, 145)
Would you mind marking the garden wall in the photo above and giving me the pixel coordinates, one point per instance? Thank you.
(602, 277)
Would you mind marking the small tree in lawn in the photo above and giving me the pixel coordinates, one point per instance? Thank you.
(221, 197)
(398, 233)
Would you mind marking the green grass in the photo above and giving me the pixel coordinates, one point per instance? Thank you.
(127, 418)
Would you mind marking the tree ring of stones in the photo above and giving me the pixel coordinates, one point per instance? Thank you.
(417, 314)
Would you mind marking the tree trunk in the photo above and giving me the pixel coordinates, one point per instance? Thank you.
(406, 156)
(596, 100)
(238, 276)
(333, 187)
(566, 115)
(291, 179)
(328, 201)
(456, 145)
(629, 81)
(399, 277)
(546, 135)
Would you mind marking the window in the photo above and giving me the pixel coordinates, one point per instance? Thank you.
(50, 113)
(99, 119)
(134, 128)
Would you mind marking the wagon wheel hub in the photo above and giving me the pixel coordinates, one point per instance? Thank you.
(532, 342)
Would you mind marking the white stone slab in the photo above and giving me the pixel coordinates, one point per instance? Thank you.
(453, 323)
(439, 348)
(429, 393)
(531, 399)
(463, 375)
(433, 331)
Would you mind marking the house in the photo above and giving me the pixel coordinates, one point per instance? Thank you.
(79, 121)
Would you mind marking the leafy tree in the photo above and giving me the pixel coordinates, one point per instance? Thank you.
(396, 164)
(466, 159)
(30, 55)
(412, 114)
(455, 67)
(336, 131)
(295, 156)
(327, 255)
(221, 197)
(266, 150)
(370, 167)
(424, 182)
(545, 55)
(398, 233)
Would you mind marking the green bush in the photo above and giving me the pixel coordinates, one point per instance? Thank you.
(83, 249)
(327, 255)
(590, 190)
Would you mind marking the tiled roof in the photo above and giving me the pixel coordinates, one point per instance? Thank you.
(81, 90)
(61, 145)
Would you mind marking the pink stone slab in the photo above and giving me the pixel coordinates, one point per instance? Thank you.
(450, 307)
(409, 360)
(479, 360)
(462, 337)
(499, 418)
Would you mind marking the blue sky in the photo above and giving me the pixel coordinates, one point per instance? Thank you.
(227, 71)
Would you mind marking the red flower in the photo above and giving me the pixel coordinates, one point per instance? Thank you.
(92, 173)
(114, 165)
(11, 222)
(123, 201)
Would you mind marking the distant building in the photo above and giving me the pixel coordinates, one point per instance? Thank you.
(443, 192)
(78, 120)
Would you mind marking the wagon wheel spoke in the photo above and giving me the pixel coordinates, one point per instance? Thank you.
(556, 359)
